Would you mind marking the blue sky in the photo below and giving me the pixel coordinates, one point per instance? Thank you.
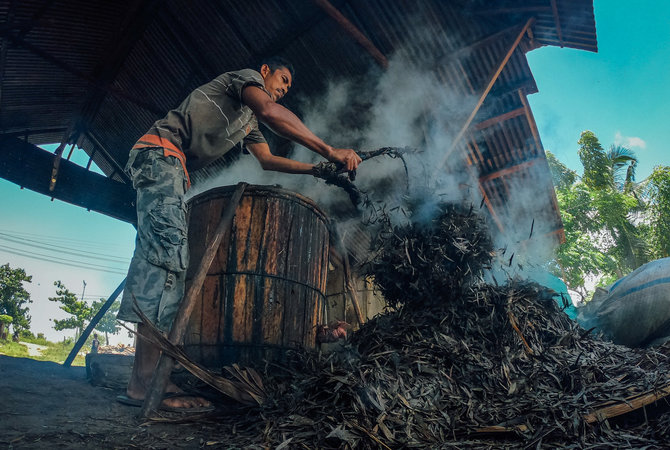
(53, 240)
(618, 93)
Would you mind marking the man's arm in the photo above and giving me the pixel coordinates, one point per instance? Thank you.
(285, 123)
(269, 161)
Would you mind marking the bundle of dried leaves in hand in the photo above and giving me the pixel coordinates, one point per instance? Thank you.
(430, 262)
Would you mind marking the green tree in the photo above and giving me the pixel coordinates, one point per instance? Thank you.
(603, 215)
(657, 191)
(597, 168)
(13, 296)
(580, 257)
(5, 320)
(560, 174)
(107, 324)
(78, 309)
(610, 176)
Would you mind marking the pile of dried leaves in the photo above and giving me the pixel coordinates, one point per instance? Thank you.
(427, 263)
(501, 366)
(459, 363)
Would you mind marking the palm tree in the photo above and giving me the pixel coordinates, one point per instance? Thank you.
(611, 178)
(620, 158)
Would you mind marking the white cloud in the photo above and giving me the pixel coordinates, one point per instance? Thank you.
(629, 141)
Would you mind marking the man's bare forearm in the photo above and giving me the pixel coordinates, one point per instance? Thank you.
(268, 161)
(285, 123)
(279, 164)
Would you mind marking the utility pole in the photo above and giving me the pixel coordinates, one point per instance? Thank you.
(82, 299)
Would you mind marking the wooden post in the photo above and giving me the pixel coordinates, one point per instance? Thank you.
(162, 373)
(350, 286)
(94, 321)
(485, 93)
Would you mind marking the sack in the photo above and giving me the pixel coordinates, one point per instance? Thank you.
(561, 295)
(635, 310)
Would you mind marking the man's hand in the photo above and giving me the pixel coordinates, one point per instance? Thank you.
(345, 156)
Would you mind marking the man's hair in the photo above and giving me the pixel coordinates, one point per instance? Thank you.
(277, 62)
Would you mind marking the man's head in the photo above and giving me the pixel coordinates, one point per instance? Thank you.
(277, 74)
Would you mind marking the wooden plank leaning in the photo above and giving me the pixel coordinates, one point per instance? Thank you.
(94, 321)
(349, 285)
(162, 373)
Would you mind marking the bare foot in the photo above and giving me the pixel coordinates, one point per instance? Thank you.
(146, 358)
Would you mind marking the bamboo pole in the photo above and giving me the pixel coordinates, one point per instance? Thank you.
(162, 373)
(94, 321)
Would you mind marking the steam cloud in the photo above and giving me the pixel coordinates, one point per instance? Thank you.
(406, 107)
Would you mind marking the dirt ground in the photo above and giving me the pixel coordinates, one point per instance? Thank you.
(45, 405)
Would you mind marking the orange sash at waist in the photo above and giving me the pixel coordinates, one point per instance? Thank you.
(169, 149)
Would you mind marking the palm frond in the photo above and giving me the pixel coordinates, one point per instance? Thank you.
(621, 158)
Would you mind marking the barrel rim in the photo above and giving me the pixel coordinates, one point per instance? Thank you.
(254, 189)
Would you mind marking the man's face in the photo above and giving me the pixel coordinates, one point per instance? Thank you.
(278, 82)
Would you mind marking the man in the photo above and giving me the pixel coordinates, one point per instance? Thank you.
(95, 344)
(209, 122)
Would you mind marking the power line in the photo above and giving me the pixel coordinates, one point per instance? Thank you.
(52, 247)
(44, 238)
(70, 263)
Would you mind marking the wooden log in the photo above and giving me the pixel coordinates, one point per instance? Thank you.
(161, 374)
(630, 404)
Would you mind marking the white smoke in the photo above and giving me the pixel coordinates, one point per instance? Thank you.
(407, 107)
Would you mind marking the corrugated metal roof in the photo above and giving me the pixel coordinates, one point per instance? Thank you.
(107, 70)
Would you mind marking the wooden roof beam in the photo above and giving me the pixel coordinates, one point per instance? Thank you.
(107, 156)
(353, 31)
(486, 91)
(501, 118)
(538, 142)
(486, 199)
(466, 50)
(27, 133)
(28, 166)
(492, 211)
(509, 170)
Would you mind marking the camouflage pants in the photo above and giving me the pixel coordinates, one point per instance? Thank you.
(158, 268)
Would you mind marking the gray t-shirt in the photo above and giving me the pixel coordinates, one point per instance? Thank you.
(212, 119)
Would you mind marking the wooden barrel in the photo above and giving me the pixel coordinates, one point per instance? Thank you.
(265, 290)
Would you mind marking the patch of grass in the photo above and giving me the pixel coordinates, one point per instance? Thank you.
(13, 349)
(58, 352)
(35, 340)
(55, 351)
